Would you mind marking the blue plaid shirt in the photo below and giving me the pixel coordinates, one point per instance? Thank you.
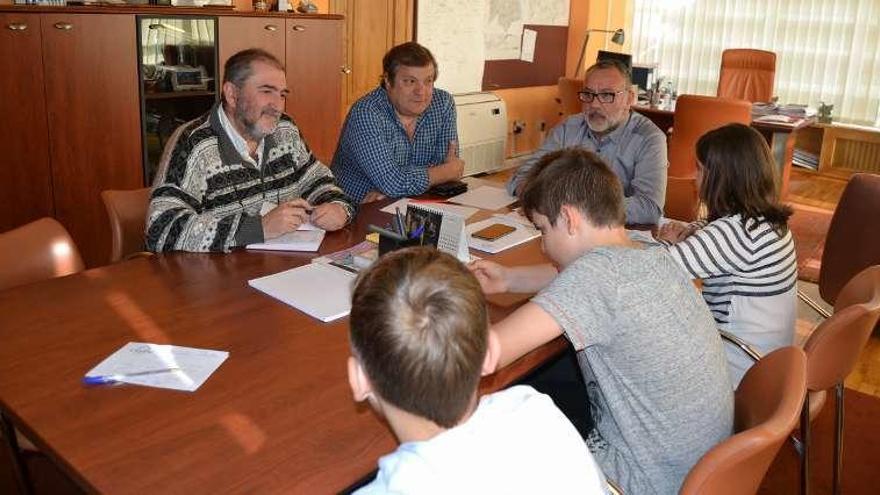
(374, 153)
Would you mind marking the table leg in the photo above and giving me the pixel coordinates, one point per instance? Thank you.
(18, 465)
(782, 147)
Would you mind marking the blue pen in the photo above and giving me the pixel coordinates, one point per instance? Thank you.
(418, 232)
(116, 378)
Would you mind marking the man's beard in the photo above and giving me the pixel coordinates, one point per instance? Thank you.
(609, 124)
(252, 126)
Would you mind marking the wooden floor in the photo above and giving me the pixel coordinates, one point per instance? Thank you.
(811, 189)
(808, 188)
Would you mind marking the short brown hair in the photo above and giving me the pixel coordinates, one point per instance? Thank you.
(410, 54)
(419, 328)
(239, 67)
(740, 176)
(576, 177)
(611, 63)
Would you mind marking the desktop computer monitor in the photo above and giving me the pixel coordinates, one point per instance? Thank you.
(622, 57)
(643, 76)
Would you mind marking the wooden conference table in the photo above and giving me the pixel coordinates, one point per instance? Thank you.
(779, 136)
(276, 417)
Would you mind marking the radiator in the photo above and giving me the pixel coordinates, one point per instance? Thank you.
(482, 131)
(858, 155)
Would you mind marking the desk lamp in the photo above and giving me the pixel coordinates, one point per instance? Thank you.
(617, 38)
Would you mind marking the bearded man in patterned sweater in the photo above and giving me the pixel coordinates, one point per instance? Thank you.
(241, 173)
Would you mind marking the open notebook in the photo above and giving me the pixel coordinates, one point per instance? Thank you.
(319, 290)
(306, 238)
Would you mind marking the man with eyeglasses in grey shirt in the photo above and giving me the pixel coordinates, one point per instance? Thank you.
(630, 143)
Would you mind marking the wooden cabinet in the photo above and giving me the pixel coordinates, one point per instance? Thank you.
(311, 51)
(90, 63)
(69, 101)
(241, 33)
(314, 75)
(25, 176)
(371, 29)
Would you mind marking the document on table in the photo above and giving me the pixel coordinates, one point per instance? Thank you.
(485, 197)
(522, 234)
(306, 238)
(465, 211)
(139, 363)
(319, 290)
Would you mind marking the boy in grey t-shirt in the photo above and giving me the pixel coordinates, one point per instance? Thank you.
(646, 342)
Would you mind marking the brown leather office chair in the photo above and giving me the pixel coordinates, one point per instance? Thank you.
(694, 116)
(851, 244)
(37, 251)
(833, 349)
(127, 211)
(33, 252)
(568, 95)
(767, 403)
(747, 74)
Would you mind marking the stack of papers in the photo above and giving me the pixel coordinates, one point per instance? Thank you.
(485, 197)
(162, 366)
(319, 290)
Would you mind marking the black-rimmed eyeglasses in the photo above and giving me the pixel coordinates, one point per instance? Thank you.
(603, 97)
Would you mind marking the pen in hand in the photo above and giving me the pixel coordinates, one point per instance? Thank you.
(118, 377)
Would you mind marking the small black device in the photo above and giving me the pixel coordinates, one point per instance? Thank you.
(448, 189)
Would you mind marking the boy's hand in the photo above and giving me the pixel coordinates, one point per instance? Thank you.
(493, 277)
(675, 231)
(285, 218)
(329, 216)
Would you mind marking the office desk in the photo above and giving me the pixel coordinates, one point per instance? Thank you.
(276, 417)
(780, 137)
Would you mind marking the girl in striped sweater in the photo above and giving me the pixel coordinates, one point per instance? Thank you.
(743, 250)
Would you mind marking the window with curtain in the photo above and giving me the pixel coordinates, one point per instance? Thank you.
(826, 50)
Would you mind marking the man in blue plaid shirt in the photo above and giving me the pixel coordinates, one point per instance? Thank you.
(401, 138)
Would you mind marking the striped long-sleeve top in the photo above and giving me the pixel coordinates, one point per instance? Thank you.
(749, 274)
(206, 197)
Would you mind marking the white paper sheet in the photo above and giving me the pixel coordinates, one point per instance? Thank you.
(529, 38)
(299, 240)
(485, 197)
(465, 211)
(521, 235)
(317, 289)
(196, 365)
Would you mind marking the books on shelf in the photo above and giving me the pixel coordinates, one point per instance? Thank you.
(805, 159)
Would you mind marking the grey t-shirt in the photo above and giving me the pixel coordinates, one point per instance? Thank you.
(652, 360)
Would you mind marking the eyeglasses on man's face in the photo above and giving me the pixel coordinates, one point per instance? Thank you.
(603, 97)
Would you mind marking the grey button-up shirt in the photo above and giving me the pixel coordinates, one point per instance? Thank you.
(635, 151)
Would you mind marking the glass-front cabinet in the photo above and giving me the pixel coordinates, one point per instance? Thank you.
(178, 74)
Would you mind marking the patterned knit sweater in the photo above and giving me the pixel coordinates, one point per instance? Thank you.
(206, 198)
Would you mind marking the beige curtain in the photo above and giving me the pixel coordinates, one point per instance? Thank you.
(826, 50)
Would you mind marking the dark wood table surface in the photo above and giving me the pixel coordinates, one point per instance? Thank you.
(780, 137)
(276, 417)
